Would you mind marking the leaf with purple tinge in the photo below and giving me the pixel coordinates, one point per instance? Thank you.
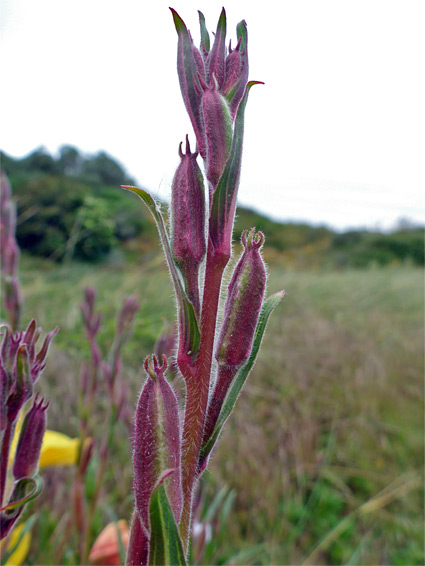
(215, 61)
(188, 323)
(224, 199)
(165, 546)
(24, 490)
(205, 36)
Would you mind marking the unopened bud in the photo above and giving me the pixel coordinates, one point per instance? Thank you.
(188, 70)
(157, 442)
(243, 305)
(188, 209)
(237, 69)
(27, 454)
(218, 133)
(127, 314)
(22, 384)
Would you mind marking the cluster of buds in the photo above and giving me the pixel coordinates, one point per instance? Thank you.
(20, 367)
(99, 369)
(172, 445)
(9, 253)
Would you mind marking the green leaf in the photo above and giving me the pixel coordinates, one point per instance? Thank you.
(242, 34)
(166, 546)
(24, 490)
(232, 395)
(186, 310)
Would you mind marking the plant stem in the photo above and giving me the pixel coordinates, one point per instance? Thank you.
(224, 379)
(197, 387)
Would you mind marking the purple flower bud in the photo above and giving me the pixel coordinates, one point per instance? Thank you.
(39, 363)
(188, 70)
(236, 70)
(90, 319)
(27, 454)
(188, 221)
(157, 442)
(22, 387)
(218, 133)
(188, 209)
(243, 305)
(127, 314)
(22, 365)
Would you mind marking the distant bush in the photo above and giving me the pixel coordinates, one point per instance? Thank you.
(47, 209)
(361, 249)
(94, 230)
(72, 205)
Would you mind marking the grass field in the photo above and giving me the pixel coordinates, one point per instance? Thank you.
(323, 456)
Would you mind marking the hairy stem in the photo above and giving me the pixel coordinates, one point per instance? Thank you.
(197, 387)
(224, 379)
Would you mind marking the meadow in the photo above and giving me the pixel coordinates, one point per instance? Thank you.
(322, 460)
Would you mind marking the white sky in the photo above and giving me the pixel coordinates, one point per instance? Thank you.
(336, 135)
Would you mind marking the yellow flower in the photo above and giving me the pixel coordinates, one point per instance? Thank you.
(58, 450)
(20, 553)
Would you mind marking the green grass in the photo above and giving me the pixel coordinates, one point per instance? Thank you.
(325, 449)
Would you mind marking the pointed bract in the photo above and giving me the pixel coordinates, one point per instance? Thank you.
(205, 37)
(215, 61)
(225, 196)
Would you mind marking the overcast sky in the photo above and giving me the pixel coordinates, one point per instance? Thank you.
(335, 136)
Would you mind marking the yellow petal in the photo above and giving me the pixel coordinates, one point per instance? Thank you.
(58, 450)
(15, 438)
(18, 556)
